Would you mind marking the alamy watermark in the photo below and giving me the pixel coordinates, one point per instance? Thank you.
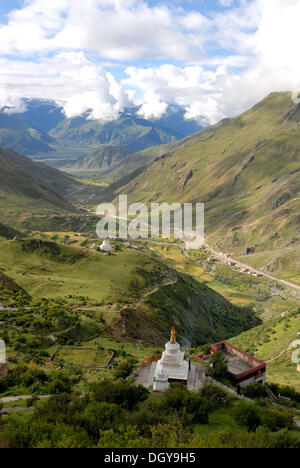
(162, 220)
(2, 352)
(296, 353)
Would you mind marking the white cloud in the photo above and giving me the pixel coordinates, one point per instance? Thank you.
(216, 65)
(153, 107)
(272, 65)
(226, 3)
(171, 84)
(114, 29)
(71, 79)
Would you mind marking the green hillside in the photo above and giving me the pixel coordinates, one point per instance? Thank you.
(112, 163)
(27, 187)
(8, 232)
(126, 131)
(105, 158)
(9, 289)
(19, 135)
(246, 171)
(135, 161)
(144, 295)
(271, 342)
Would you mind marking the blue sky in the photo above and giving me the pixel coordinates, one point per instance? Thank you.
(8, 5)
(216, 58)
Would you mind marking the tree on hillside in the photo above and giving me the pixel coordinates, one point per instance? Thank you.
(220, 368)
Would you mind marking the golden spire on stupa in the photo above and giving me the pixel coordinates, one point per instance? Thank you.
(173, 336)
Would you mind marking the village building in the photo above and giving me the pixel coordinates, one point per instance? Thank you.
(175, 367)
(243, 369)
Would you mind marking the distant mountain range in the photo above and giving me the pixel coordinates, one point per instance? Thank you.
(18, 134)
(107, 157)
(44, 132)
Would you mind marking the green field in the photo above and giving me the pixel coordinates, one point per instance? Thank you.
(82, 357)
(54, 270)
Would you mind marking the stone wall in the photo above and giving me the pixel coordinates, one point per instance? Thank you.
(258, 379)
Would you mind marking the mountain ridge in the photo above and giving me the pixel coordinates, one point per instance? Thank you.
(246, 171)
(27, 186)
(48, 132)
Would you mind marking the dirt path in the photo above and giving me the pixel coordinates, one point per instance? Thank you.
(224, 257)
(12, 399)
(17, 409)
(292, 346)
(52, 335)
(156, 288)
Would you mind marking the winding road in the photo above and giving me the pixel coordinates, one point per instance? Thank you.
(224, 257)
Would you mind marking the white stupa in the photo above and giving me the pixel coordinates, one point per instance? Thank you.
(106, 247)
(172, 365)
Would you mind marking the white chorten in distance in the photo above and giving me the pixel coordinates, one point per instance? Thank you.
(106, 247)
(171, 367)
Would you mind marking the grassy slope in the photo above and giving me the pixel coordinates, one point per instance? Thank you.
(19, 135)
(246, 172)
(266, 298)
(121, 165)
(28, 187)
(126, 131)
(136, 283)
(9, 288)
(104, 158)
(8, 232)
(272, 304)
(271, 342)
(135, 161)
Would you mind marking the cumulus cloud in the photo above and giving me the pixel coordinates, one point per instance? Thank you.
(170, 84)
(216, 65)
(70, 78)
(114, 29)
(210, 95)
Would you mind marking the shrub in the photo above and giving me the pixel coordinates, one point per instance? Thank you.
(216, 397)
(220, 368)
(3, 385)
(99, 416)
(33, 376)
(31, 402)
(125, 395)
(276, 420)
(288, 392)
(198, 408)
(175, 398)
(255, 390)
(248, 415)
(125, 368)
